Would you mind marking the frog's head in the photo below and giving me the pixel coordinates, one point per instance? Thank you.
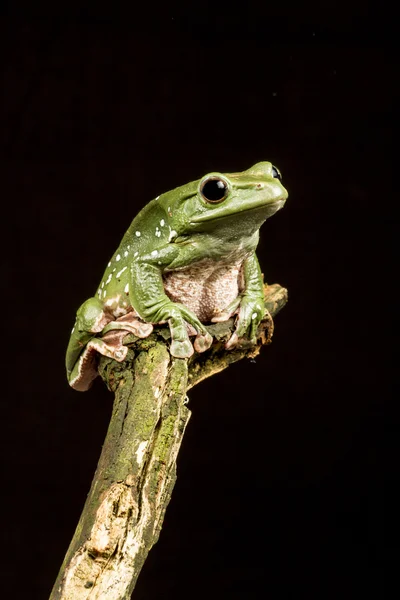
(222, 200)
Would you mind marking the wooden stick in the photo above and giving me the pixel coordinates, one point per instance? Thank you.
(136, 473)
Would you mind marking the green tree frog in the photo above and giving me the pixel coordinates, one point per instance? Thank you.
(188, 258)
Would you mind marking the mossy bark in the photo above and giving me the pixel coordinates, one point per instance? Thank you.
(133, 483)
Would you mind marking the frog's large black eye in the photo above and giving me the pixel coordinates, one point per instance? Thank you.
(276, 173)
(214, 190)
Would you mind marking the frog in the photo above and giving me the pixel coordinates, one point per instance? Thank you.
(188, 259)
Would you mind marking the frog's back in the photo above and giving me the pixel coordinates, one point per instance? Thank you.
(141, 235)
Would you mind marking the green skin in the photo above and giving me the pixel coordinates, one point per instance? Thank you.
(175, 235)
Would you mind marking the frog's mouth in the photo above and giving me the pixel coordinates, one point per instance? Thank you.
(268, 208)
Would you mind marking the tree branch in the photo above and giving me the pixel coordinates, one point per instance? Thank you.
(136, 473)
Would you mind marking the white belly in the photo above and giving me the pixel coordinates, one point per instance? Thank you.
(206, 287)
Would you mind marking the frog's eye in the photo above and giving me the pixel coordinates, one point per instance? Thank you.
(214, 189)
(276, 173)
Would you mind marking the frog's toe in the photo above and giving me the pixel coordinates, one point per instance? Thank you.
(143, 330)
(221, 317)
(191, 330)
(181, 349)
(232, 342)
(120, 353)
(203, 342)
(130, 324)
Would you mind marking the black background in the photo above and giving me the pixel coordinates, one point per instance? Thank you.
(279, 494)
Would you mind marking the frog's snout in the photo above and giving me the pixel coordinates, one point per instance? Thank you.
(260, 169)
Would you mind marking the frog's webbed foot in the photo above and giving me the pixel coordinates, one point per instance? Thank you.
(232, 342)
(92, 318)
(252, 310)
(182, 323)
(202, 342)
(181, 346)
(110, 345)
(130, 324)
(85, 369)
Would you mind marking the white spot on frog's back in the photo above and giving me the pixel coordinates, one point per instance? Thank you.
(109, 264)
(126, 253)
(113, 300)
(117, 307)
(118, 257)
(120, 272)
(154, 253)
(162, 222)
(109, 278)
(137, 233)
(126, 289)
(254, 316)
(172, 235)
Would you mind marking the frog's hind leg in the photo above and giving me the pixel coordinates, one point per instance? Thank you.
(81, 362)
(85, 370)
(130, 324)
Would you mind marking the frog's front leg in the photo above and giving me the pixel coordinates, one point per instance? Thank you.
(149, 299)
(250, 303)
(91, 318)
